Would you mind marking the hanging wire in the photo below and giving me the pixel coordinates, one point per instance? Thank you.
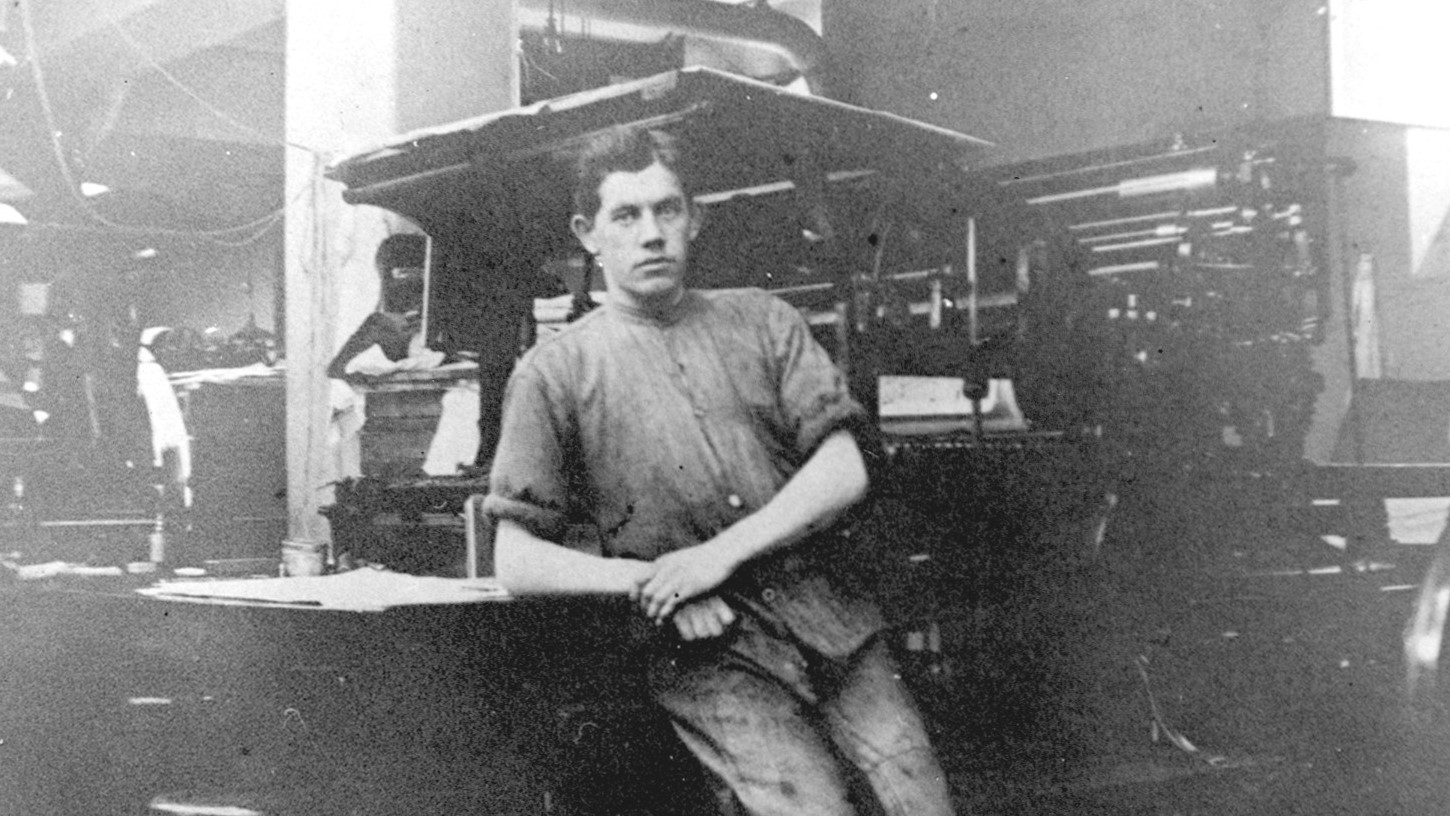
(318, 167)
(263, 223)
(262, 226)
(146, 57)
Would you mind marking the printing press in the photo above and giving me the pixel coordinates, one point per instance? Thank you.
(1028, 335)
(1191, 278)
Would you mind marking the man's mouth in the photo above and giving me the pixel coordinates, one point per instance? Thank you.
(654, 263)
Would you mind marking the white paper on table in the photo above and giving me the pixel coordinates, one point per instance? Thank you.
(361, 590)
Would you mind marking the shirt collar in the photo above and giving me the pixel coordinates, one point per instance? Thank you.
(668, 316)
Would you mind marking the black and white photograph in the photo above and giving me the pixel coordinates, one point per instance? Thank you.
(724, 407)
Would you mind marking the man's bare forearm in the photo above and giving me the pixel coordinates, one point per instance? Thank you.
(830, 483)
(527, 564)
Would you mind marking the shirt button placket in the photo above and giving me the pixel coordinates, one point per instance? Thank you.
(684, 380)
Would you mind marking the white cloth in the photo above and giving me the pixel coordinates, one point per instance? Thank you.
(163, 409)
(455, 441)
(345, 429)
(1368, 359)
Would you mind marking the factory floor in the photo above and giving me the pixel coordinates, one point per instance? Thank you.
(1243, 677)
(1196, 664)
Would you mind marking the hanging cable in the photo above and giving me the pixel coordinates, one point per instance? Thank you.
(146, 57)
(265, 222)
(272, 220)
(262, 225)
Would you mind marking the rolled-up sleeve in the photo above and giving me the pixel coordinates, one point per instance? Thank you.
(528, 482)
(814, 396)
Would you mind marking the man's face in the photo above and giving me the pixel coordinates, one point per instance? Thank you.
(641, 235)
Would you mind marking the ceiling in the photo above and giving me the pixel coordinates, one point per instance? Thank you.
(182, 122)
(175, 106)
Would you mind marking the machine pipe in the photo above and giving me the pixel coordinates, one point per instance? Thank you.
(787, 36)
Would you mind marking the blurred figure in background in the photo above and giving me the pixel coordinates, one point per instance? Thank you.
(394, 327)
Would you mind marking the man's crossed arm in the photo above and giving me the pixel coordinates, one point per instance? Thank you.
(679, 586)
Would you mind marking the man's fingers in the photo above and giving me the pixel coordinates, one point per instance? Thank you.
(685, 625)
(667, 608)
(698, 620)
(653, 594)
(721, 615)
(695, 623)
(726, 614)
(657, 599)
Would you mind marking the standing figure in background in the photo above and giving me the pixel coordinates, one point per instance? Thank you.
(713, 445)
(394, 327)
(78, 377)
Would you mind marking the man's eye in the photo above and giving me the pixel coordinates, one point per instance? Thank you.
(625, 216)
(669, 209)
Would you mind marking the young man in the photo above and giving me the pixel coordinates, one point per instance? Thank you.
(709, 439)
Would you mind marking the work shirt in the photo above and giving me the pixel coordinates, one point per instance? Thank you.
(663, 430)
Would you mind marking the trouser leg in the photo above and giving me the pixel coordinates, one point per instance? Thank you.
(759, 735)
(876, 724)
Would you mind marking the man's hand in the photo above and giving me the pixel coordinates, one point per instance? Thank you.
(683, 575)
(707, 617)
(633, 574)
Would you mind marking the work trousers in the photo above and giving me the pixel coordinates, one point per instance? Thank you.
(778, 725)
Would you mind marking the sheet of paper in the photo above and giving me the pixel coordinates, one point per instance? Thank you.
(362, 590)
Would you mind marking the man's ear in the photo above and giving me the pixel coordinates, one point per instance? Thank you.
(583, 229)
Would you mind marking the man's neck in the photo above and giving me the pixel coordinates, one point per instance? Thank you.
(660, 308)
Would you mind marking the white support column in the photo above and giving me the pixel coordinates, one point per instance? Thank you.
(358, 73)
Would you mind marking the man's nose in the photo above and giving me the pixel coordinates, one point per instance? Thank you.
(650, 233)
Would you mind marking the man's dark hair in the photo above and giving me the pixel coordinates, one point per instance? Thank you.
(623, 149)
(401, 250)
